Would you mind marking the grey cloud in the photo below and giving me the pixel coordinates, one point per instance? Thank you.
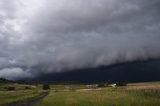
(63, 35)
(14, 73)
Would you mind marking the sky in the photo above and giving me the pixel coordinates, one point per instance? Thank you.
(54, 36)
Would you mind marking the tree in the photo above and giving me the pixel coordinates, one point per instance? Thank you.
(121, 83)
(46, 87)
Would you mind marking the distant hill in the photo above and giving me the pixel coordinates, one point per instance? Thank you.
(3, 80)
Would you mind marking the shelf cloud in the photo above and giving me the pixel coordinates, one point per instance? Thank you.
(41, 37)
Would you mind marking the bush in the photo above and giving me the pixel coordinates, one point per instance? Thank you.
(10, 88)
(101, 85)
(46, 87)
(121, 83)
(27, 87)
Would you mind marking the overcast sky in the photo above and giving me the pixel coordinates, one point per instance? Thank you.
(49, 36)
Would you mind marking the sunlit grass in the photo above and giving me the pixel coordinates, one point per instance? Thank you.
(122, 96)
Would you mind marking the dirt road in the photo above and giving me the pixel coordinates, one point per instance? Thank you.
(28, 102)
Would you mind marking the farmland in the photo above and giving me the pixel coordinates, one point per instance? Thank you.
(17, 92)
(134, 94)
(142, 94)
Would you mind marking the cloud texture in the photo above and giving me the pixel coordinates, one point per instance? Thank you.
(39, 36)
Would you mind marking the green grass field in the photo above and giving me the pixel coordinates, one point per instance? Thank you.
(135, 94)
(143, 94)
(20, 92)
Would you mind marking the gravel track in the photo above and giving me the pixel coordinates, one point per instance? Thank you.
(28, 102)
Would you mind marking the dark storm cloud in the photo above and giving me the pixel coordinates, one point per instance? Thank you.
(38, 36)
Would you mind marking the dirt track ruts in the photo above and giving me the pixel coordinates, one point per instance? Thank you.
(28, 102)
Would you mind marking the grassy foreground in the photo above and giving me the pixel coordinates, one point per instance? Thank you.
(20, 92)
(135, 94)
(141, 94)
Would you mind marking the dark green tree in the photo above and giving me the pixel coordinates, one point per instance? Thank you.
(46, 87)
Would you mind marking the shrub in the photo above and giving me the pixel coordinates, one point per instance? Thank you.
(101, 85)
(46, 87)
(10, 88)
(27, 87)
(121, 83)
